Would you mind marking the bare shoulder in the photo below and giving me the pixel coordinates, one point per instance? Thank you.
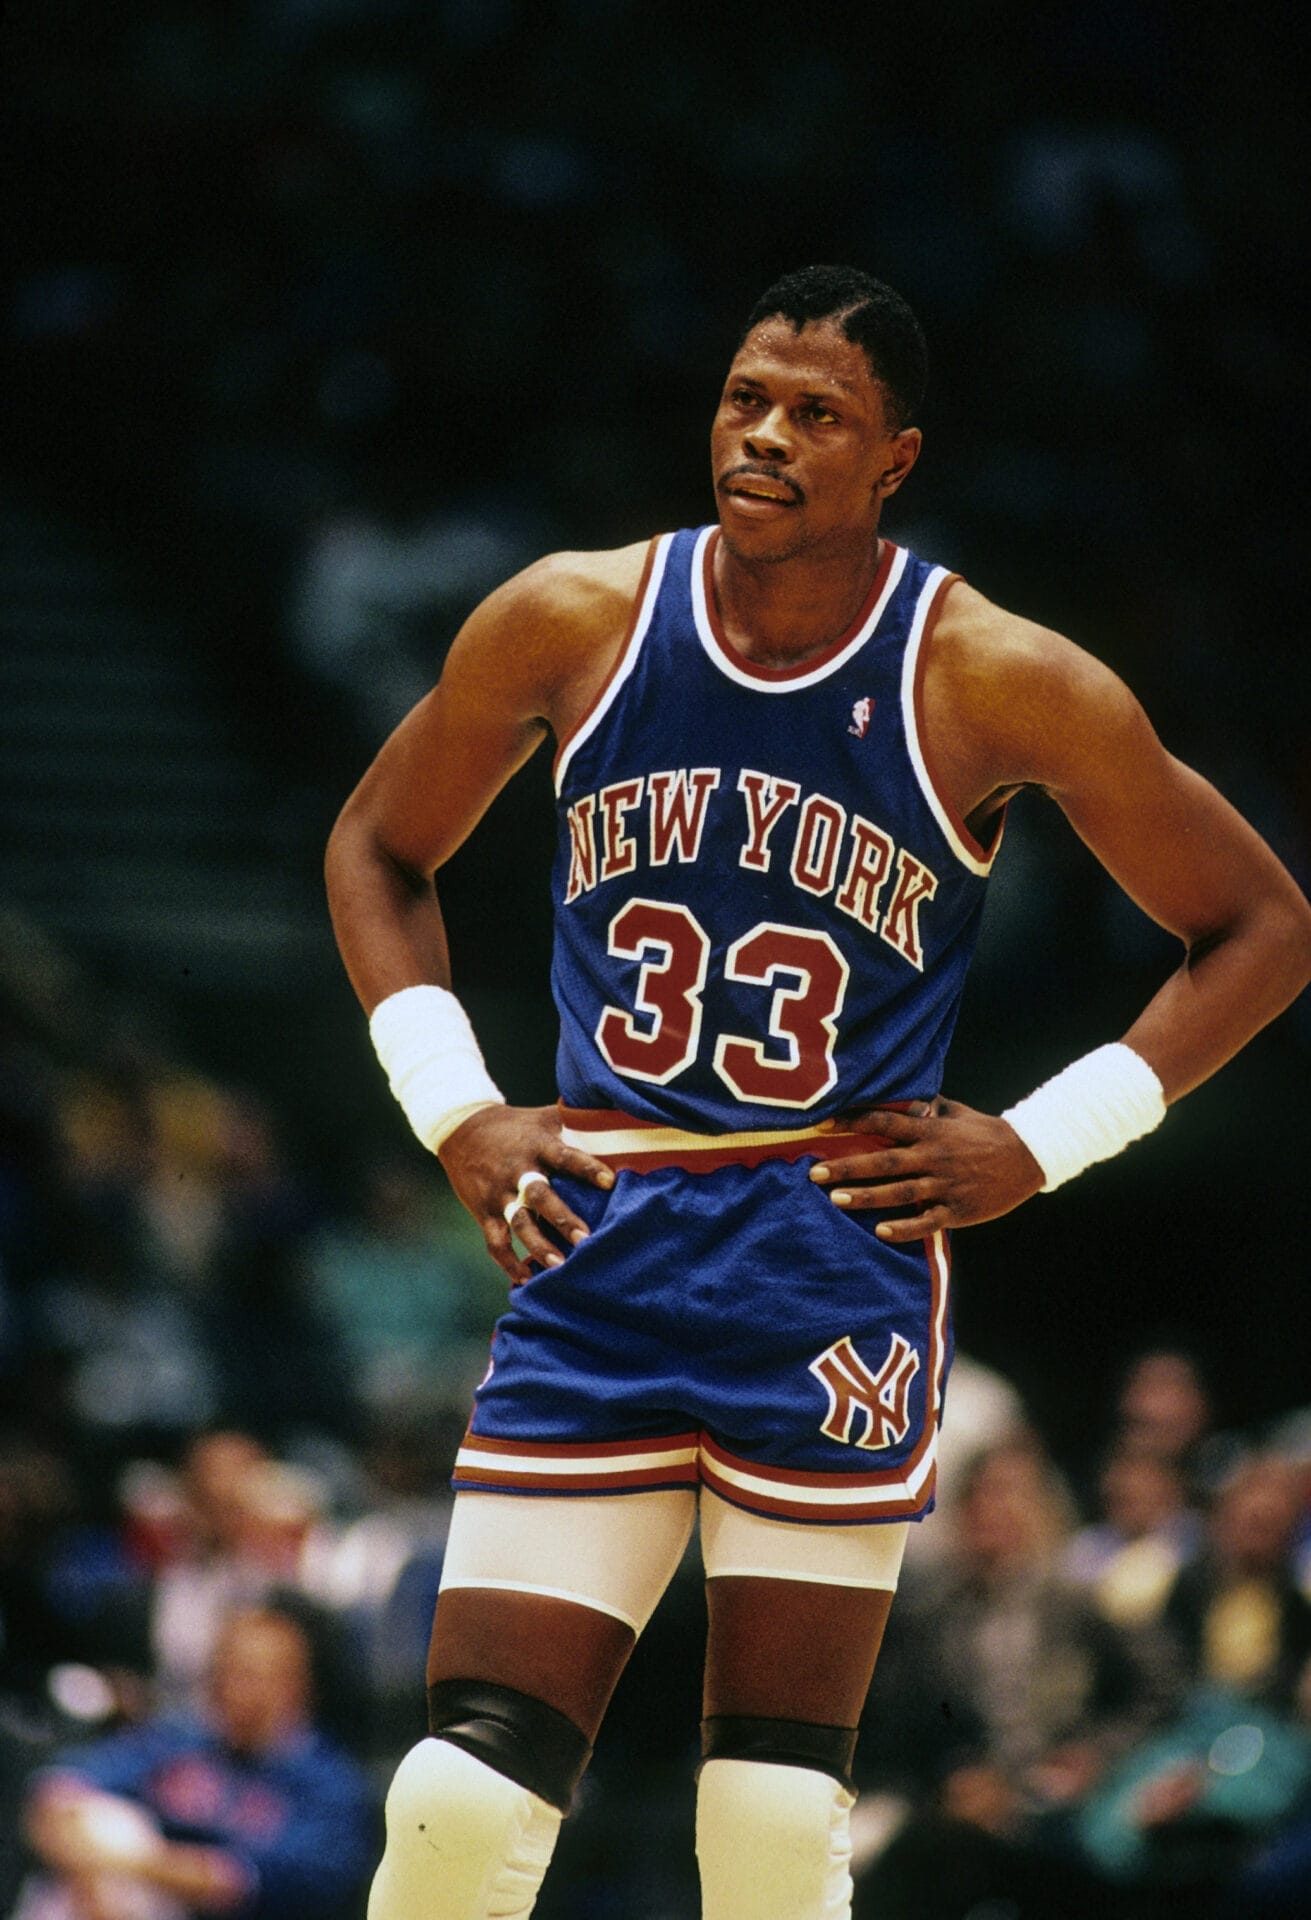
(1021, 700)
(559, 622)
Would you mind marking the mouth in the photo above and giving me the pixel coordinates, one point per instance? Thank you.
(754, 491)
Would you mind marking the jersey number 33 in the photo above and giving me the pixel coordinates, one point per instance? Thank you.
(802, 971)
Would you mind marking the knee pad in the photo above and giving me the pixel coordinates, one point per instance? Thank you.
(519, 1736)
(781, 1743)
(463, 1842)
(773, 1842)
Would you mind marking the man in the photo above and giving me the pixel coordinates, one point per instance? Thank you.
(784, 751)
(247, 1812)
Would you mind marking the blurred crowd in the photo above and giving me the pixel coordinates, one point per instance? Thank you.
(230, 1405)
(359, 305)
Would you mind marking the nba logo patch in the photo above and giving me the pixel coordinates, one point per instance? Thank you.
(861, 714)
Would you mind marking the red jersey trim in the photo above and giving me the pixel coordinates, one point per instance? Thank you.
(813, 664)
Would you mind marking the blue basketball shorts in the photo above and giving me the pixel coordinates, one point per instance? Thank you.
(723, 1325)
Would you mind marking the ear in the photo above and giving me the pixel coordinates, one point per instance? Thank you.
(901, 452)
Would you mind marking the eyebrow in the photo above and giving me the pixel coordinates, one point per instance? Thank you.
(816, 393)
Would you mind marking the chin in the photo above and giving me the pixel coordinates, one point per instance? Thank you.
(762, 545)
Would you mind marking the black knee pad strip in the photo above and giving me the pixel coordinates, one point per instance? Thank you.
(781, 1743)
(518, 1736)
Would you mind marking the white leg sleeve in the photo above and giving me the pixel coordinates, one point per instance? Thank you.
(463, 1842)
(616, 1552)
(772, 1843)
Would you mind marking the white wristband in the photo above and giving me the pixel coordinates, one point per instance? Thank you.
(1088, 1112)
(432, 1060)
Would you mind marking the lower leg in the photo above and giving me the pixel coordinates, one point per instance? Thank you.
(789, 1662)
(519, 1679)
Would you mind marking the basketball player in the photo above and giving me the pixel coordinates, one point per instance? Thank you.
(784, 749)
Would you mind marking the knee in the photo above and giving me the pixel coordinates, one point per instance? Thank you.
(462, 1840)
(772, 1841)
(513, 1733)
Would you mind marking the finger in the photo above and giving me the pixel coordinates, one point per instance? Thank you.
(548, 1205)
(535, 1195)
(892, 1193)
(496, 1234)
(530, 1179)
(918, 1227)
(884, 1164)
(892, 1123)
(583, 1166)
(534, 1242)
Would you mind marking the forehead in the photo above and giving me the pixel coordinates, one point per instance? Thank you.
(819, 357)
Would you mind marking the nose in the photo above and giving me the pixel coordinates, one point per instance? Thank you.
(768, 439)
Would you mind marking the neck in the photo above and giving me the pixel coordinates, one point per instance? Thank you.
(779, 612)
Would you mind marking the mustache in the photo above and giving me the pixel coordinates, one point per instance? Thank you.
(747, 471)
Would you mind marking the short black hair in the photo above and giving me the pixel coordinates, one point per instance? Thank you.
(871, 314)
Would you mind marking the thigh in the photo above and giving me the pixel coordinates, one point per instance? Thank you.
(796, 1613)
(549, 1595)
(791, 1649)
(567, 1654)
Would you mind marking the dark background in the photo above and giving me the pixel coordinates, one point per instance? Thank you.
(313, 301)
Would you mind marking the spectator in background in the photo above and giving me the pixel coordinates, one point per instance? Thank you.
(1232, 1770)
(409, 1287)
(1129, 1559)
(986, 1412)
(1010, 1697)
(1238, 1613)
(245, 1810)
(196, 1566)
(1164, 1407)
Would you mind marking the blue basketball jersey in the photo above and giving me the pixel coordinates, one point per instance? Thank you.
(764, 908)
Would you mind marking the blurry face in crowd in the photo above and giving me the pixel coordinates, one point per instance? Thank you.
(1164, 1405)
(1010, 1517)
(259, 1683)
(801, 444)
(1140, 1491)
(218, 1470)
(1254, 1518)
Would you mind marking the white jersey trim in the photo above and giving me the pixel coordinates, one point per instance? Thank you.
(625, 665)
(915, 746)
(705, 632)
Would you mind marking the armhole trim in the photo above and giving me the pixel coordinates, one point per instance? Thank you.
(644, 602)
(968, 850)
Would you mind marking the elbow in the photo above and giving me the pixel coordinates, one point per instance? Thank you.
(1285, 932)
(1299, 939)
(338, 854)
(341, 856)
(358, 857)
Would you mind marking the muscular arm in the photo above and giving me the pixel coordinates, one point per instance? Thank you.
(1009, 705)
(1043, 713)
(529, 661)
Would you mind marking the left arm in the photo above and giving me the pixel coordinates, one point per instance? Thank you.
(1016, 706)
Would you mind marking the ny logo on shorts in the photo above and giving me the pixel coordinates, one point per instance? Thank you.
(881, 1399)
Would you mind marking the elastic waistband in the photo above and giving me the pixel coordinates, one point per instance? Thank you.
(640, 1146)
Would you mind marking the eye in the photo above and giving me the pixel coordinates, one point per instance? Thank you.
(744, 396)
(821, 415)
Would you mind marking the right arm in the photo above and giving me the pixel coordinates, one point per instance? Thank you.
(528, 662)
